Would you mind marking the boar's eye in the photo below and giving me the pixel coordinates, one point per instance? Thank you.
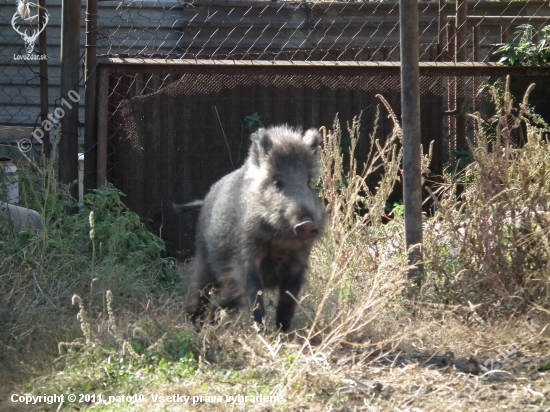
(278, 183)
(309, 181)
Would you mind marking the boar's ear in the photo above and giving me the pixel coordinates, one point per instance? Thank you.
(313, 139)
(261, 144)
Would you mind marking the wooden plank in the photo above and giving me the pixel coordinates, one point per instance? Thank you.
(70, 74)
(312, 118)
(207, 47)
(477, 40)
(268, 103)
(335, 6)
(8, 134)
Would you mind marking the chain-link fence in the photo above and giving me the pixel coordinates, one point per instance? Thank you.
(176, 121)
(314, 31)
(266, 30)
(19, 80)
(30, 72)
(171, 120)
(260, 30)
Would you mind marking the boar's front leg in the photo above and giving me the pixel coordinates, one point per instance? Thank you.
(254, 290)
(291, 283)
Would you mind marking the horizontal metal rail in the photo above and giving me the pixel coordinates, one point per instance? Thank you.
(498, 20)
(122, 65)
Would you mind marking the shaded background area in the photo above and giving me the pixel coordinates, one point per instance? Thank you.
(173, 136)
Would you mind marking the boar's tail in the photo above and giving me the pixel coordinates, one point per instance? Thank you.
(188, 207)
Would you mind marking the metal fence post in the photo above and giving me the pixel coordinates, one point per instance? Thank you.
(460, 82)
(90, 86)
(68, 107)
(410, 114)
(43, 50)
(102, 126)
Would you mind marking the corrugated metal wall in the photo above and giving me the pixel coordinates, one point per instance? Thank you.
(139, 27)
(228, 29)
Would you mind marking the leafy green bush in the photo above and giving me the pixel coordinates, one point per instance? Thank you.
(119, 235)
(526, 52)
(40, 270)
(119, 232)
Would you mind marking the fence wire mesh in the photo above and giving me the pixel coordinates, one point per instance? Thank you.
(19, 79)
(20, 72)
(316, 31)
(260, 30)
(172, 136)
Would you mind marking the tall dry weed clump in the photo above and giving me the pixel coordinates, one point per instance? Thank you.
(491, 244)
(360, 267)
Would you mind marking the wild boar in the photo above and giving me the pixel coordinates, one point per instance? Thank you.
(257, 226)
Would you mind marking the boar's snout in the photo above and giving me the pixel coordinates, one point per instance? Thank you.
(306, 230)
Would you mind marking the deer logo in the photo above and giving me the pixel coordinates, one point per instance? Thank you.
(24, 14)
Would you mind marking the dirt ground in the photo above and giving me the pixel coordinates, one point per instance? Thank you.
(453, 363)
(424, 382)
(444, 363)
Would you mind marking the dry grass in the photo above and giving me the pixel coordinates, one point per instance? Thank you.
(491, 246)
(359, 344)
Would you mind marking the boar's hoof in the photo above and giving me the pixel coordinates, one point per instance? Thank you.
(306, 230)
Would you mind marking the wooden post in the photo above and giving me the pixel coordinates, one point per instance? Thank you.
(504, 29)
(451, 40)
(68, 107)
(461, 30)
(102, 126)
(441, 47)
(90, 120)
(477, 42)
(410, 115)
(43, 51)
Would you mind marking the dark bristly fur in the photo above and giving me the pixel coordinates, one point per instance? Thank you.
(257, 225)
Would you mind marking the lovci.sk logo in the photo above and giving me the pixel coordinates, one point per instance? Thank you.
(25, 14)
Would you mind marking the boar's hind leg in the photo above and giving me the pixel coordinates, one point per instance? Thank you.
(291, 283)
(231, 289)
(230, 292)
(197, 295)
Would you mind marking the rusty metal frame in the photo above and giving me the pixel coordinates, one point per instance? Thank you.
(114, 65)
(119, 65)
(498, 20)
